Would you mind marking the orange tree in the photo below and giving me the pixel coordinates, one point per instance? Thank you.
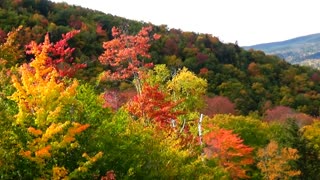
(274, 162)
(126, 55)
(230, 152)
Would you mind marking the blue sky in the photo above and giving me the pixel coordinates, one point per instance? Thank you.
(246, 21)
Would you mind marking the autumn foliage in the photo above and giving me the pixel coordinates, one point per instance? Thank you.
(112, 99)
(275, 162)
(311, 134)
(219, 105)
(41, 99)
(41, 149)
(232, 154)
(282, 114)
(124, 53)
(10, 50)
(153, 105)
(56, 126)
(59, 54)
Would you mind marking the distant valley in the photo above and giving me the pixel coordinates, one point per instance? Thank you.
(304, 50)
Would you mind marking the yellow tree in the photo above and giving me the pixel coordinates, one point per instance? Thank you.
(274, 162)
(186, 85)
(189, 89)
(41, 97)
(312, 134)
(311, 137)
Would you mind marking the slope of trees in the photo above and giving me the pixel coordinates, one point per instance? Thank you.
(65, 110)
(252, 80)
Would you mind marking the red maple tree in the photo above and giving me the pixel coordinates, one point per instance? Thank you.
(154, 106)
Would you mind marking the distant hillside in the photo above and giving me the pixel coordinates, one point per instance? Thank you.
(301, 50)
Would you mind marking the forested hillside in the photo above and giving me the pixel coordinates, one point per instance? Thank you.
(304, 50)
(88, 95)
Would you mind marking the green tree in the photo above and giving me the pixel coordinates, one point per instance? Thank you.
(253, 132)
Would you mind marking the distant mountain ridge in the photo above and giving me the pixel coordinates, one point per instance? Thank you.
(303, 50)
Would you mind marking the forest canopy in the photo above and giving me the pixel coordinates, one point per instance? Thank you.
(88, 95)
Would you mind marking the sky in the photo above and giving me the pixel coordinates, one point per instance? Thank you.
(246, 22)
